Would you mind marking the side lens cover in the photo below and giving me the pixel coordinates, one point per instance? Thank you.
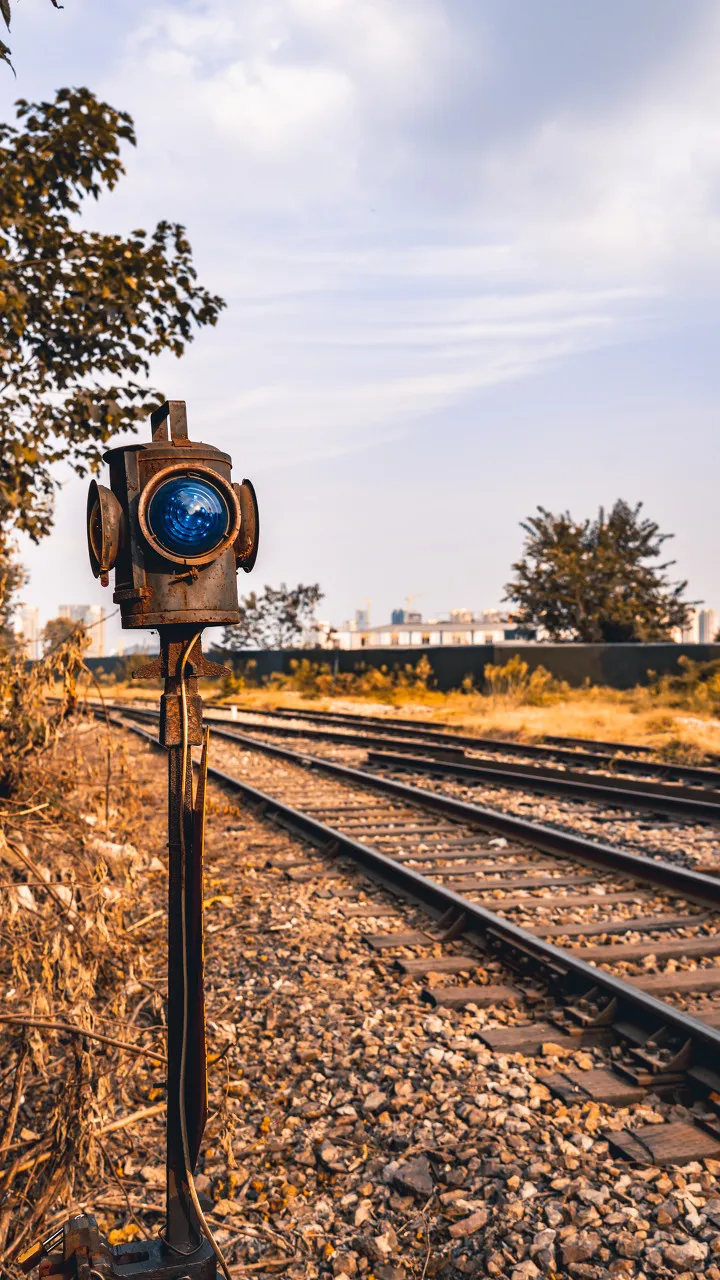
(188, 516)
(104, 530)
(247, 541)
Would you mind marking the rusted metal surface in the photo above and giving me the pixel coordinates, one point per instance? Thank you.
(248, 538)
(179, 582)
(167, 667)
(104, 522)
(156, 586)
(78, 1251)
(180, 661)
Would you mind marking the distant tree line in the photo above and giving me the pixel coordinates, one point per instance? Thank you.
(592, 581)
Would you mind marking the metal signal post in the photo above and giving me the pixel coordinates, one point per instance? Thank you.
(175, 530)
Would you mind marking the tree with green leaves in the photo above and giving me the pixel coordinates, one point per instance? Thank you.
(596, 580)
(81, 313)
(276, 619)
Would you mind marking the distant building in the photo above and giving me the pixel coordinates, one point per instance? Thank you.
(28, 631)
(690, 633)
(407, 630)
(707, 626)
(92, 616)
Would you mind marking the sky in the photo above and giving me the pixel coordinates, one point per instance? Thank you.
(471, 258)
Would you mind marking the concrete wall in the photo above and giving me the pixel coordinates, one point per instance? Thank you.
(620, 666)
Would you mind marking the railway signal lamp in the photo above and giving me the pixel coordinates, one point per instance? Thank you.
(175, 529)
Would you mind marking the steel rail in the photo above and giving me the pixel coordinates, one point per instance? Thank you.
(488, 928)
(631, 792)
(601, 744)
(400, 728)
(693, 885)
(356, 717)
(446, 749)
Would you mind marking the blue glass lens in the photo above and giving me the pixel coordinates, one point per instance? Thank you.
(188, 516)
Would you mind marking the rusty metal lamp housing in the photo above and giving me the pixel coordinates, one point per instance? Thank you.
(162, 576)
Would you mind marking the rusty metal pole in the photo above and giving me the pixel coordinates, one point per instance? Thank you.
(185, 955)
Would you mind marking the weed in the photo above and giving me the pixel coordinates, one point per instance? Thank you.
(517, 684)
(320, 680)
(696, 688)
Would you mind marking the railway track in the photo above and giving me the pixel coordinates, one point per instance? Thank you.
(700, 803)
(581, 925)
(617, 757)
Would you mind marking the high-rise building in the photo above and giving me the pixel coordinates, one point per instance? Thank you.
(92, 617)
(689, 633)
(28, 631)
(707, 626)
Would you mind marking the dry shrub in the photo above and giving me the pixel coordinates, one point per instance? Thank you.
(67, 969)
(679, 751)
(64, 955)
(28, 724)
(318, 680)
(696, 688)
(237, 680)
(514, 682)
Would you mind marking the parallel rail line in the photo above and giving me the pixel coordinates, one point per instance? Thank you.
(681, 802)
(442, 759)
(677, 801)
(448, 758)
(427, 848)
(428, 733)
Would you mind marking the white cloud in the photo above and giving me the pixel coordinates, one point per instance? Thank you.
(300, 129)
